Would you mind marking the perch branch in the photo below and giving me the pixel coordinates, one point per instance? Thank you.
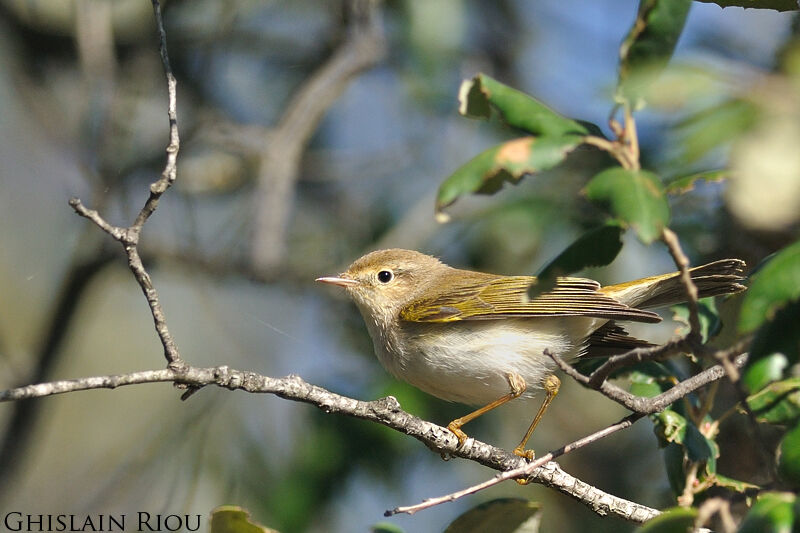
(631, 511)
(385, 411)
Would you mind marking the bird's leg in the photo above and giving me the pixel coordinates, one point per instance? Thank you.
(517, 384)
(551, 384)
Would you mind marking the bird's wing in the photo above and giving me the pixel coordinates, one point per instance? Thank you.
(486, 297)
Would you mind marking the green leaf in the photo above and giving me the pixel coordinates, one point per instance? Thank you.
(478, 95)
(710, 323)
(698, 447)
(733, 484)
(764, 371)
(644, 385)
(776, 284)
(386, 527)
(504, 515)
(234, 519)
(779, 334)
(789, 458)
(634, 196)
(772, 513)
(670, 426)
(777, 403)
(711, 462)
(648, 47)
(675, 520)
(684, 184)
(510, 161)
(674, 463)
(595, 248)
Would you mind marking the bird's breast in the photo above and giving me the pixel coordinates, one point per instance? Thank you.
(469, 361)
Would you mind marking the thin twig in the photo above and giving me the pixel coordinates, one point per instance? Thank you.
(170, 172)
(686, 498)
(52, 388)
(718, 506)
(635, 512)
(129, 237)
(119, 234)
(682, 262)
(625, 148)
(634, 356)
(642, 405)
(599, 142)
(615, 148)
(631, 139)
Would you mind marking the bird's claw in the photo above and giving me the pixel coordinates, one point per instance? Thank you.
(528, 455)
(460, 435)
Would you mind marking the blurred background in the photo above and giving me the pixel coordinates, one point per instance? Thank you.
(311, 133)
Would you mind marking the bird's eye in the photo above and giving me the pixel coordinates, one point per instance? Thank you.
(385, 276)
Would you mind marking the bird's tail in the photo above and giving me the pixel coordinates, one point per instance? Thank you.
(720, 277)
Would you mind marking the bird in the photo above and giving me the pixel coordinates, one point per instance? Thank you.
(479, 339)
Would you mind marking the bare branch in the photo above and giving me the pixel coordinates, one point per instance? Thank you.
(170, 172)
(51, 388)
(119, 234)
(385, 411)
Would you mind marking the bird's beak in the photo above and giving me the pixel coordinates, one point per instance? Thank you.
(341, 282)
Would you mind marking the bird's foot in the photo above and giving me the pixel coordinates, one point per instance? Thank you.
(529, 455)
(455, 428)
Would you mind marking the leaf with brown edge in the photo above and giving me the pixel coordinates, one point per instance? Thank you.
(684, 184)
(487, 172)
(477, 97)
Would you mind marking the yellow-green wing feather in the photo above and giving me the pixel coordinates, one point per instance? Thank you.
(486, 297)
